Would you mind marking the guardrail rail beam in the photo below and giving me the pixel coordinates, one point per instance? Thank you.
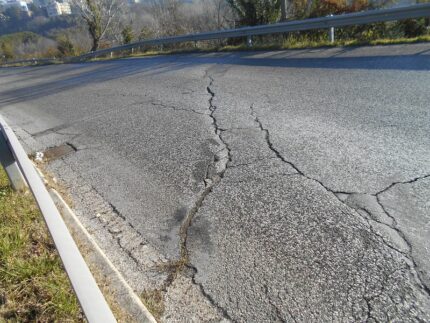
(330, 22)
(90, 297)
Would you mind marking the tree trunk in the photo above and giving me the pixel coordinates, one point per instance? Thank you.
(283, 10)
(95, 45)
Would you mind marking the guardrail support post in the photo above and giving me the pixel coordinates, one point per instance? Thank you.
(327, 23)
(9, 164)
(111, 54)
(91, 299)
(249, 41)
(331, 32)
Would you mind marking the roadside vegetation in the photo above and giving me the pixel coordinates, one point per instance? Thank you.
(33, 285)
(98, 24)
(300, 43)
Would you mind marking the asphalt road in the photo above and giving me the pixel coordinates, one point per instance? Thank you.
(295, 184)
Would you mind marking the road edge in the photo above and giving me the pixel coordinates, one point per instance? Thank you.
(124, 295)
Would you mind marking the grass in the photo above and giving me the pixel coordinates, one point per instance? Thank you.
(419, 39)
(33, 284)
(154, 302)
(154, 299)
(302, 43)
(295, 43)
(298, 44)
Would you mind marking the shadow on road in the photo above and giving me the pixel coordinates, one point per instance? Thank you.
(55, 79)
(34, 82)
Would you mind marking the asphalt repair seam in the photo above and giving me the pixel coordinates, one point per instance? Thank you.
(214, 175)
(108, 275)
(118, 227)
(393, 226)
(113, 222)
(118, 233)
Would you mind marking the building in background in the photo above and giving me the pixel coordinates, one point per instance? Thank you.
(56, 8)
(15, 3)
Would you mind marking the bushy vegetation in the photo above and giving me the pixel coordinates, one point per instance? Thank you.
(255, 12)
(25, 44)
(96, 25)
(25, 36)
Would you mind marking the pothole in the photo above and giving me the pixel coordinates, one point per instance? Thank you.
(58, 152)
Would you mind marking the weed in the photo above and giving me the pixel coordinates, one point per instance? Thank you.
(33, 284)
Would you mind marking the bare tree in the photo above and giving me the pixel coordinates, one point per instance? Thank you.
(284, 7)
(205, 15)
(255, 12)
(158, 18)
(101, 17)
(168, 17)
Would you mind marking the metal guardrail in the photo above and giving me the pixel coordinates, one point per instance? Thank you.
(20, 171)
(359, 18)
(330, 22)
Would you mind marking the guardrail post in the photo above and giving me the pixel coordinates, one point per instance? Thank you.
(328, 23)
(249, 41)
(11, 167)
(91, 299)
(331, 33)
(111, 54)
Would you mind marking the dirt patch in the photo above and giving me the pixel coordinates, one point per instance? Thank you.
(58, 152)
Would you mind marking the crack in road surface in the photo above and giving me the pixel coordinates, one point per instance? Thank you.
(175, 108)
(416, 179)
(221, 158)
(393, 226)
(396, 228)
(304, 245)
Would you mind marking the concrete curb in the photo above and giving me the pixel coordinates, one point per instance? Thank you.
(123, 294)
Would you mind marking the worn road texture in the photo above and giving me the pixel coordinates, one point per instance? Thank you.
(284, 186)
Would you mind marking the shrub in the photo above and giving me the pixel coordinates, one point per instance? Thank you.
(7, 50)
(65, 46)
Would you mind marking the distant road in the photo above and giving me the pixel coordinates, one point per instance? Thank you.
(296, 183)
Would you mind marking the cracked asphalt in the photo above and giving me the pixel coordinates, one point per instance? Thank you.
(284, 186)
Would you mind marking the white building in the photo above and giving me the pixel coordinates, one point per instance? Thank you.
(58, 8)
(15, 3)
